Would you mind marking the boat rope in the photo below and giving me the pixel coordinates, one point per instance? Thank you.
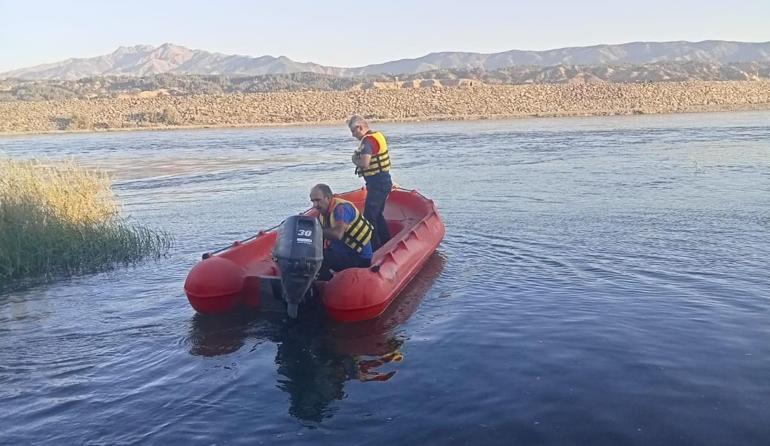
(208, 254)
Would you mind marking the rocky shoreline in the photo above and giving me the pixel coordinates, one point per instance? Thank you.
(475, 101)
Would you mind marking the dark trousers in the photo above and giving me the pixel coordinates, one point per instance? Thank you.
(336, 261)
(376, 195)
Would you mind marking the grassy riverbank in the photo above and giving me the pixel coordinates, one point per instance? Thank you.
(383, 104)
(59, 219)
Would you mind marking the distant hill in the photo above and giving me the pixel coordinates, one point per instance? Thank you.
(185, 85)
(637, 53)
(145, 60)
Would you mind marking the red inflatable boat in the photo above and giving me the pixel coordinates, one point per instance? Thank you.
(238, 275)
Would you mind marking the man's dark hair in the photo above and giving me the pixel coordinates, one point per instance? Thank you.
(325, 189)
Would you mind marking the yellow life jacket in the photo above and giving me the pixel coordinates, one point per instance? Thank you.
(357, 234)
(379, 162)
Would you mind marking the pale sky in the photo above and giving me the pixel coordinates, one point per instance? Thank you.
(356, 33)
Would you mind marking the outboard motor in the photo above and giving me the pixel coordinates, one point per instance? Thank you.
(298, 252)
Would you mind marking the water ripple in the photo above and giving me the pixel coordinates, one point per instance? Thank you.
(602, 281)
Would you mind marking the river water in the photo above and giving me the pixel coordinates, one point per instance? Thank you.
(603, 281)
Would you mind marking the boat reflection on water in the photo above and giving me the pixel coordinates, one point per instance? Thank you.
(317, 355)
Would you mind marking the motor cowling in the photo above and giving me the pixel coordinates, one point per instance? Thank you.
(298, 252)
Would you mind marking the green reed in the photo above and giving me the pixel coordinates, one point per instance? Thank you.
(60, 219)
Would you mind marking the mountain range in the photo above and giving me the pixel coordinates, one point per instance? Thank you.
(146, 60)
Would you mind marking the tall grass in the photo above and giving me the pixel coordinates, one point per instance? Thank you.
(60, 219)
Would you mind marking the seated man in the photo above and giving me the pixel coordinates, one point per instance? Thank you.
(348, 232)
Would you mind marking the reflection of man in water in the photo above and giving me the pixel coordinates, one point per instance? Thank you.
(313, 365)
(311, 382)
(315, 375)
(364, 367)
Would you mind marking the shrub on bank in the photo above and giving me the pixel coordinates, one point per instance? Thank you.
(60, 219)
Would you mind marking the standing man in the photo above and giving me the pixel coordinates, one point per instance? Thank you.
(372, 161)
(348, 232)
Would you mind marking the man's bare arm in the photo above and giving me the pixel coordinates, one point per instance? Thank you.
(336, 232)
(361, 159)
